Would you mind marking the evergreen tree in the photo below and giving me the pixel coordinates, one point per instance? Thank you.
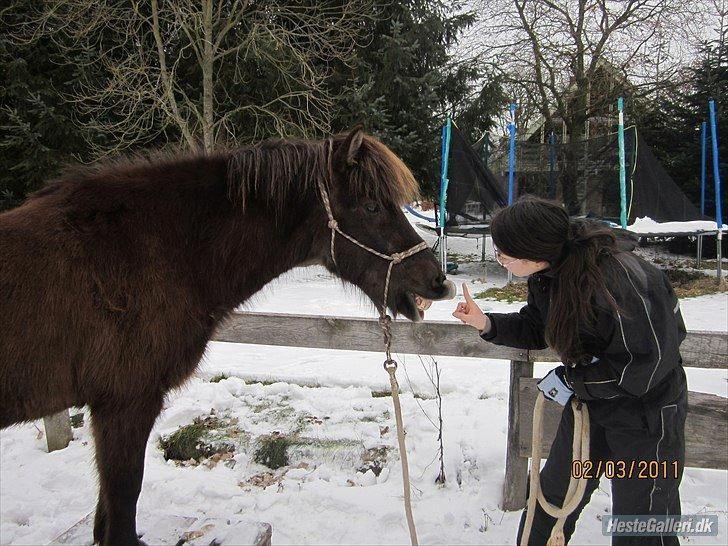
(38, 133)
(406, 81)
(401, 84)
(672, 127)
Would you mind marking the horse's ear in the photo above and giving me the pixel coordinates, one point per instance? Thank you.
(349, 151)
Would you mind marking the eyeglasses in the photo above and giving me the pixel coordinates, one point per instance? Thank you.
(499, 255)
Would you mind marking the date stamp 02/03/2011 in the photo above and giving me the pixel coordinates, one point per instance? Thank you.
(617, 469)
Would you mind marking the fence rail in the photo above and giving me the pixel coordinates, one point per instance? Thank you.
(707, 419)
(699, 350)
(707, 426)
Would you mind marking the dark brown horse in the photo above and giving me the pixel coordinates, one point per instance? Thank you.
(113, 279)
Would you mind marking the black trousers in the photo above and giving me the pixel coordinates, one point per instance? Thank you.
(634, 430)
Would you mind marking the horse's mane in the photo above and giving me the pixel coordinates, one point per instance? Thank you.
(281, 165)
(275, 168)
(285, 166)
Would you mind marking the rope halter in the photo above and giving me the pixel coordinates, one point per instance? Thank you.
(395, 258)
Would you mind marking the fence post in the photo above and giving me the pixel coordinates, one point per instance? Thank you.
(58, 430)
(514, 486)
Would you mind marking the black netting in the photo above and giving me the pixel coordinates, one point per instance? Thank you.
(586, 173)
(655, 193)
(473, 191)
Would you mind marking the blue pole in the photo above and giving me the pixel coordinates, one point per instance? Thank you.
(716, 165)
(552, 166)
(703, 163)
(445, 148)
(511, 152)
(622, 170)
(716, 181)
(444, 181)
(416, 214)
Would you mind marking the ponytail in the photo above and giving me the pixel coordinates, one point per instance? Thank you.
(578, 283)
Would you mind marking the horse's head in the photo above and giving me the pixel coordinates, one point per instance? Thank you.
(367, 185)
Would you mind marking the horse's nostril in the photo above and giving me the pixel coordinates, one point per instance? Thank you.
(438, 281)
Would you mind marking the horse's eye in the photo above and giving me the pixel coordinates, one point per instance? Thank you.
(371, 207)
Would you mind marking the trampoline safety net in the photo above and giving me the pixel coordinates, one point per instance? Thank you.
(544, 169)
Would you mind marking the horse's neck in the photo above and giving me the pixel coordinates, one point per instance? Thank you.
(254, 247)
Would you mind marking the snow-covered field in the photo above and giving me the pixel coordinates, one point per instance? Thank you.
(322, 498)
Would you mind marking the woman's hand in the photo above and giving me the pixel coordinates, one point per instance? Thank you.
(469, 313)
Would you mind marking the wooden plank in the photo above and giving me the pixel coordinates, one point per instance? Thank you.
(706, 431)
(700, 349)
(358, 334)
(513, 496)
(706, 426)
(58, 430)
(551, 418)
(705, 350)
(170, 529)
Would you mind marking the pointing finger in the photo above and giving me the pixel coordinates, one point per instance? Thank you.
(466, 293)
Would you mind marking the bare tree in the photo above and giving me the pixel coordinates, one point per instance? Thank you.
(555, 52)
(164, 62)
(433, 371)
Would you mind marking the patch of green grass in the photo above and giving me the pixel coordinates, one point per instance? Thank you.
(185, 444)
(515, 291)
(204, 438)
(275, 407)
(325, 443)
(264, 382)
(272, 450)
(219, 377)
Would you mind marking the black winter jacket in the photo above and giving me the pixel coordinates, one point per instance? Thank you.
(633, 351)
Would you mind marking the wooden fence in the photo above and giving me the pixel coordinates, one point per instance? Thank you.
(707, 421)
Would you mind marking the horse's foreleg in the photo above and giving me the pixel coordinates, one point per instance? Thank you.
(100, 518)
(121, 435)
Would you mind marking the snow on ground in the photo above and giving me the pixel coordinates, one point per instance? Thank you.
(648, 225)
(328, 394)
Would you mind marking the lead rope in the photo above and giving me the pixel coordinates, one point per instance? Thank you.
(577, 486)
(385, 322)
(391, 366)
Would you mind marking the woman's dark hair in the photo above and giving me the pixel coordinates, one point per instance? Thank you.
(540, 230)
